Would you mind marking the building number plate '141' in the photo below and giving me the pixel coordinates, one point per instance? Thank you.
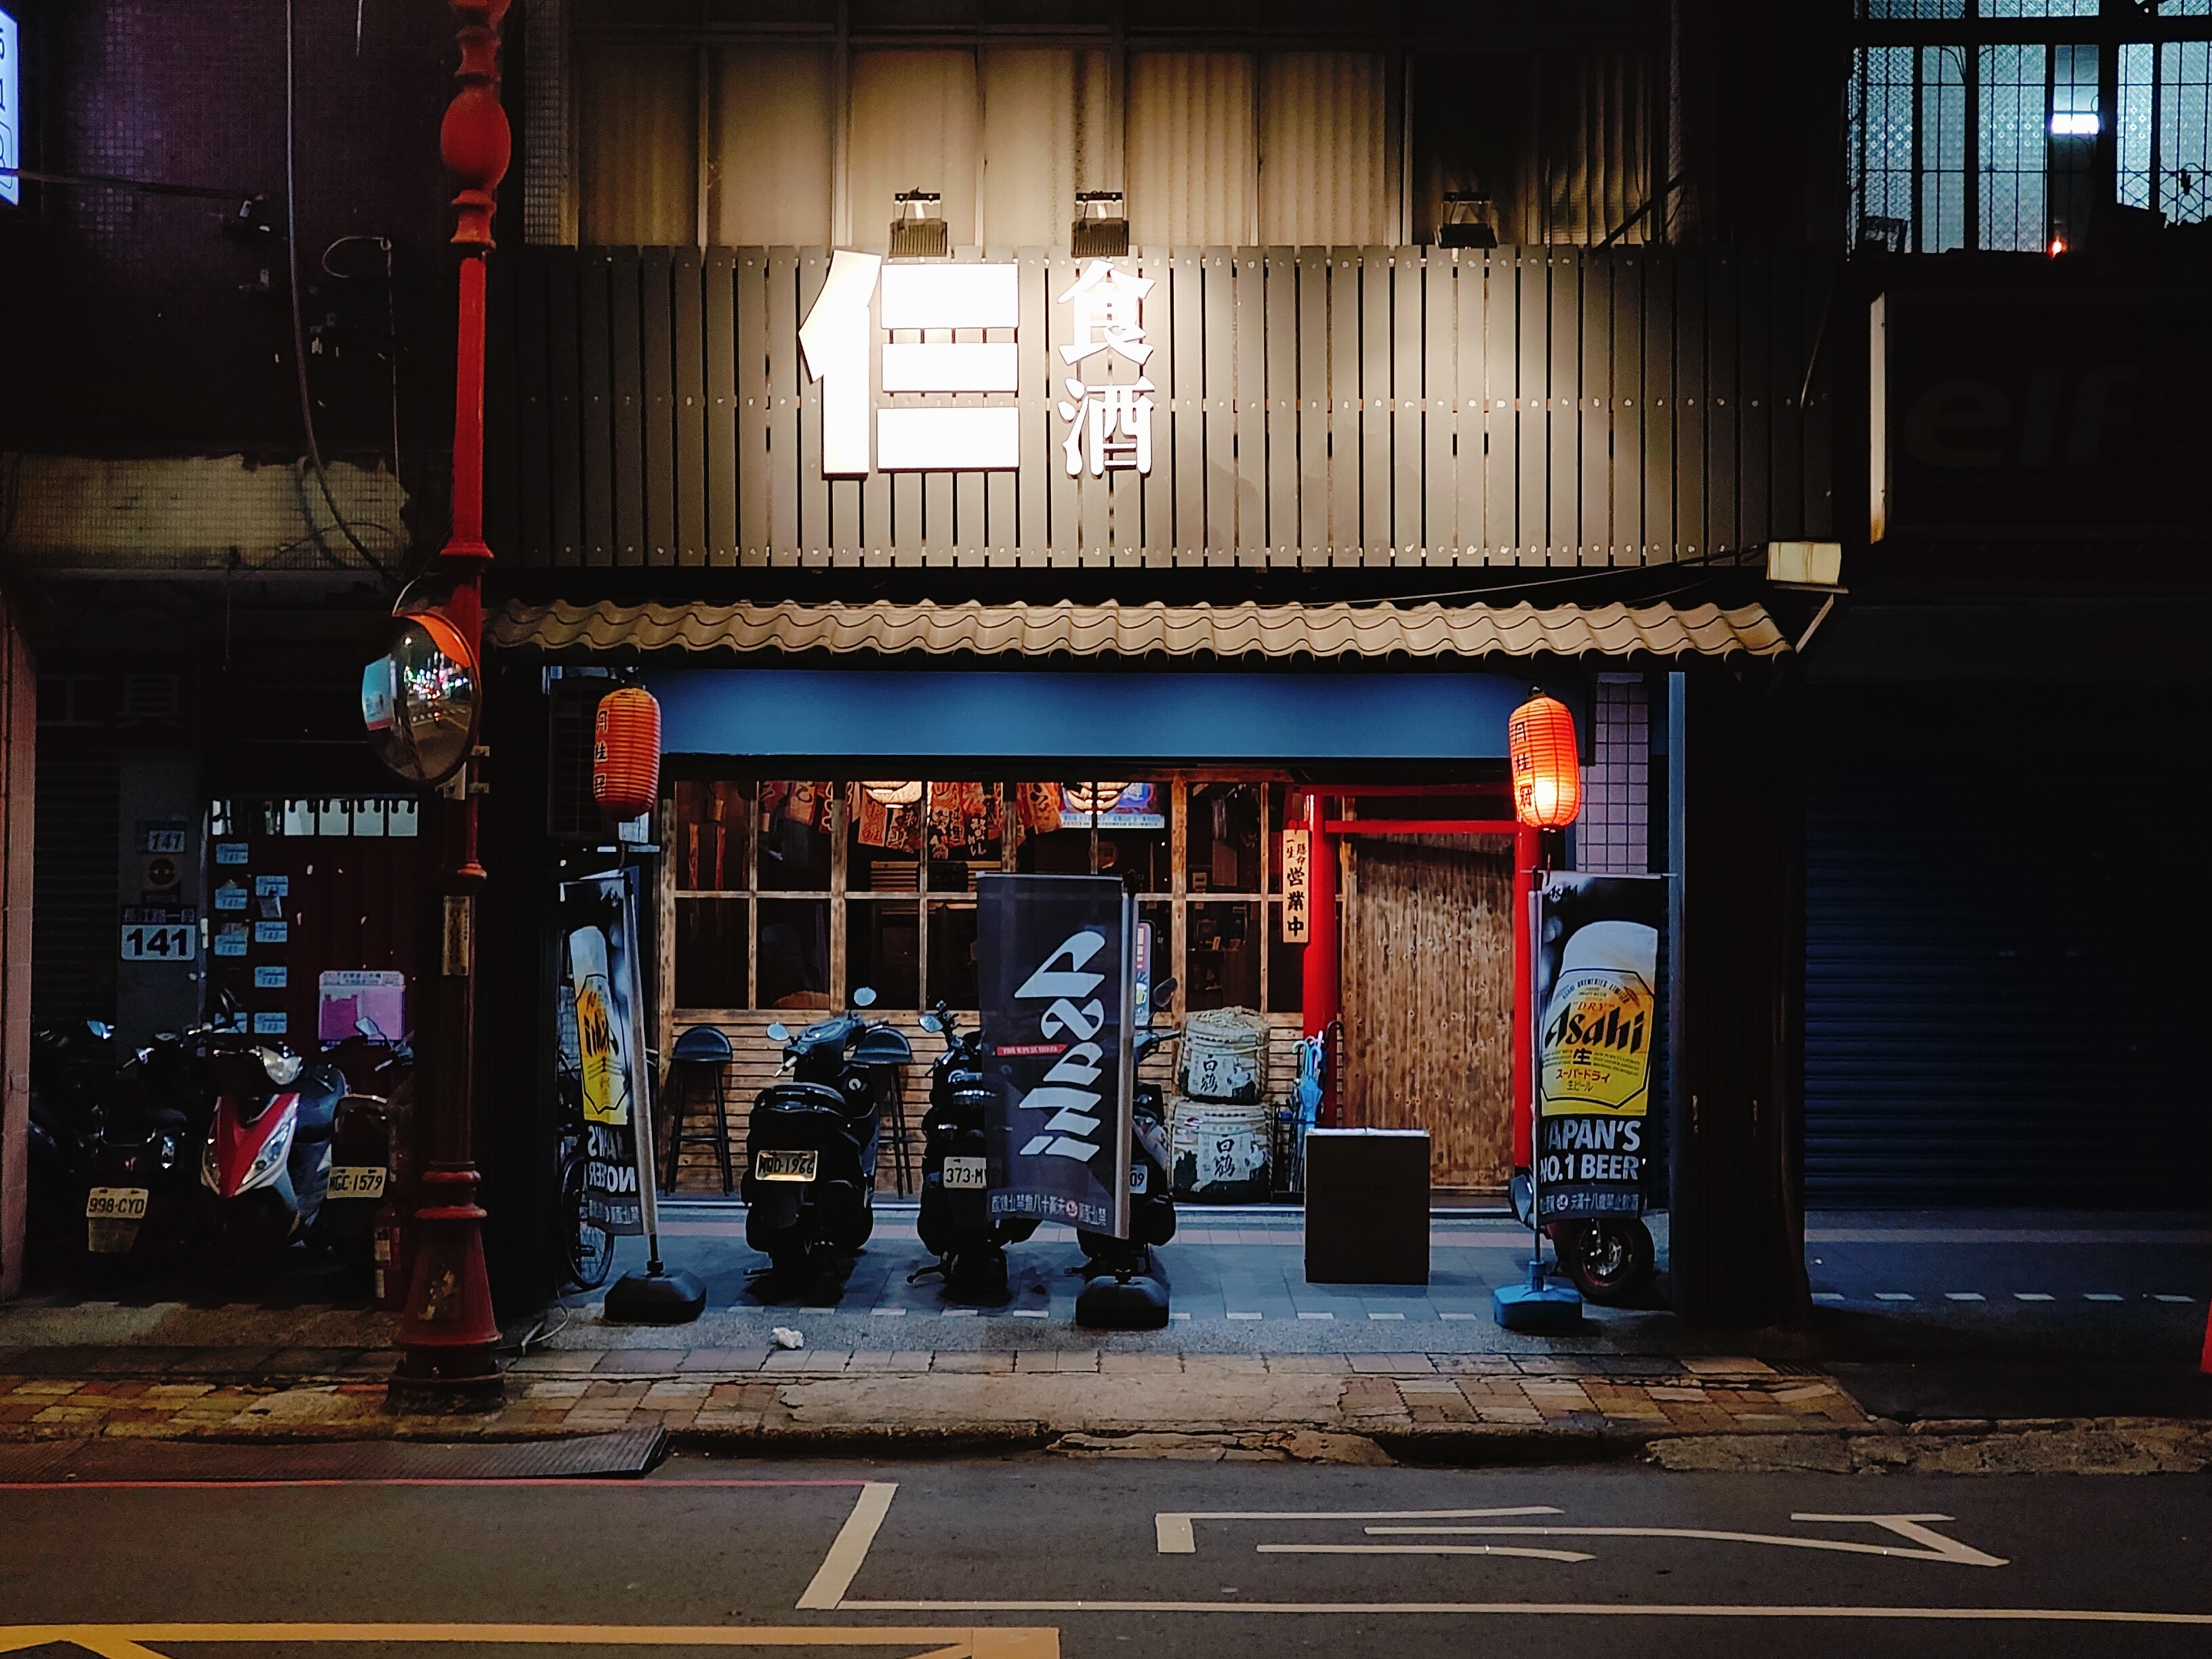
(177, 942)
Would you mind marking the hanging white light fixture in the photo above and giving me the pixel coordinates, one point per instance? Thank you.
(893, 795)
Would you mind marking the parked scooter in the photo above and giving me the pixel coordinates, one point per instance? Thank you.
(1610, 1259)
(957, 1224)
(370, 1165)
(266, 1165)
(139, 1201)
(72, 1066)
(810, 1182)
(1152, 1196)
(1125, 1290)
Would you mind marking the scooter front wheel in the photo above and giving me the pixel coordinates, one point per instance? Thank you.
(1609, 1261)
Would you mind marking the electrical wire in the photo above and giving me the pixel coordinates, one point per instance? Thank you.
(299, 329)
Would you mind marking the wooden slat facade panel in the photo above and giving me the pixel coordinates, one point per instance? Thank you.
(1315, 406)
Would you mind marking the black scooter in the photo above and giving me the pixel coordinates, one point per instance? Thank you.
(1126, 1289)
(957, 1224)
(810, 1184)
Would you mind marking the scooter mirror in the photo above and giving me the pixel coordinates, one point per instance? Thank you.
(930, 1024)
(779, 1032)
(865, 997)
(1163, 991)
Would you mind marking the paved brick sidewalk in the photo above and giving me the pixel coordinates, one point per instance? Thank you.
(768, 1398)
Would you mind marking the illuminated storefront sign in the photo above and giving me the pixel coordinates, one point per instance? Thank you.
(1109, 423)
(11, 124)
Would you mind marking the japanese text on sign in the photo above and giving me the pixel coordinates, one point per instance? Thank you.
(1297, 876)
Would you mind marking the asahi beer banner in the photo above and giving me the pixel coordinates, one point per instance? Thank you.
(1597, 977)
(1057, 959)
(609, 999)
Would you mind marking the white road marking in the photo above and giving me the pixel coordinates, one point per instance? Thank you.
(2173, 1298)
(1245, 1316)
(1828, 1296)
(888, 1313)
(1891, 1296)
(1386, 1315)
(1317, 1315)
(1937, 1548)
(850, 1548)
(1174, 1528)
(1458, 1316)
(2032, 1296)
(1964, 1295)
(1419, 1549)
(957, 1313)
(1032, 1313)
(2103, 1296)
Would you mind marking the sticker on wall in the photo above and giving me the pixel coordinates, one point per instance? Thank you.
(271, 932)
(231, 941)
(401, 816)
(369, 816)
(347, 997)
(230, 897)
(334, 816)
(268, 978)
(268, 1024)
(230, 852)
(269, 892)
(300, 817)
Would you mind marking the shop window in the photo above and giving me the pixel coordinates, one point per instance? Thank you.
(1222, 957)
(711, 952)
(884, 838)
(794, 953)
(1222, 840)
(952, 974)
(1107, 829)
(882, 949)
(796, 819)
(713, 819)
(967, 835)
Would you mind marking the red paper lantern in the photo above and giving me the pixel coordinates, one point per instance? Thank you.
(1547, 774)
(626, 753)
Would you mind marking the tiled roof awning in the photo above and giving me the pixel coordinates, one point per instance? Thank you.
(1318, 632)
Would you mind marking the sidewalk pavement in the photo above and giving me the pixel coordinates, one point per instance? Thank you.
(1719, 1413)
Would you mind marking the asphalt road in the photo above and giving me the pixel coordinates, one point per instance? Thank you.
(1208, 1561)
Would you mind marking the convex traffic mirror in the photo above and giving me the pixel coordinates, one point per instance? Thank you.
(419, 700)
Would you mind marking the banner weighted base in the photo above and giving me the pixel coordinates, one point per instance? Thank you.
(1111, 1302)
(1538, 1306)
(655, 1298)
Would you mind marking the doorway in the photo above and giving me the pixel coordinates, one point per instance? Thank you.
(1428, 998)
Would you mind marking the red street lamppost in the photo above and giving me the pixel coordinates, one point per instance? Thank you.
(422, 701)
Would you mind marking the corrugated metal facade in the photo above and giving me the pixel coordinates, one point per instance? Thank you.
(1999, 987)
(1315, 406)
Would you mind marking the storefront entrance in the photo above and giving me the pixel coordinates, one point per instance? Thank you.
(1428, 998)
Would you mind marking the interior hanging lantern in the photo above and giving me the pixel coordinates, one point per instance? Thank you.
(1547, 773)
(626, 753)
(894, 794)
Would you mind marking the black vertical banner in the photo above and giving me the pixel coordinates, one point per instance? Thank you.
(1597, 978)
(1056, 955)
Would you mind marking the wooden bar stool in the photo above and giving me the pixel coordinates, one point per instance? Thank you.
(700, 1046)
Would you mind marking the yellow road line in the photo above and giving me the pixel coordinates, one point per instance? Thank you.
(1557, 1609)
(138, 1641)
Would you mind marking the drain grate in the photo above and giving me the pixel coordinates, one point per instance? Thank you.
(629, 1452)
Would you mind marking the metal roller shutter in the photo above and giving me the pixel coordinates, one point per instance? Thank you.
(2002, 988)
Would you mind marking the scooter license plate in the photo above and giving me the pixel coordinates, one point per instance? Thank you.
(785, 1166)
(115, 1204)
(356, 1181)
(1139, 1178)
(966, 1174)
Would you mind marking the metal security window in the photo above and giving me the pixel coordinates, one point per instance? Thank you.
(1997, 125)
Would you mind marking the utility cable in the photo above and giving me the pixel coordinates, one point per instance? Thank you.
(299, 329)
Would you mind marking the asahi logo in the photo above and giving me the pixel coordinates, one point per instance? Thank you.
(1069, 1090)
